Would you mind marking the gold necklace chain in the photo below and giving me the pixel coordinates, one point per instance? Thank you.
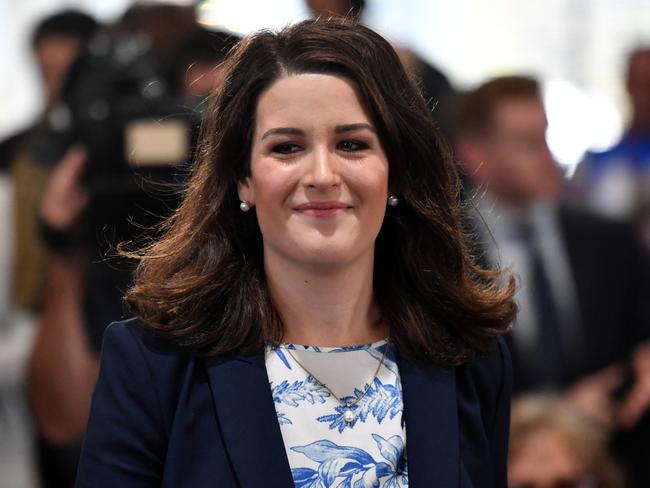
(348, 414)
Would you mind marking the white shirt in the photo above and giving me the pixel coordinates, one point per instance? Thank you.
(322, 447)
(507, 250)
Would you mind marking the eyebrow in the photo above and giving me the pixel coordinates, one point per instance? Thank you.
(282, 131)
(351, 127)
(337, 130)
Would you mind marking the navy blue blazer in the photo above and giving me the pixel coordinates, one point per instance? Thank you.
(162, 417)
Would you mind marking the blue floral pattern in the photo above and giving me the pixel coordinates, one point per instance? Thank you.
(292, 394)
(380, 400)
(323, 449)
(352, 467)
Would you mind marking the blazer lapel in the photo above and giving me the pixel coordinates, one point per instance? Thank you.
(248, 422)
(432, 436)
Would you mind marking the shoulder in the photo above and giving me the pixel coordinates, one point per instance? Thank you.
(581, 219)
(495, 361)
(133, 408)
(483, 390)
(588, 234)
(631, 152)
(487, 373)
(134, 338)
(598, 160)
(484, 385)
(134, 351)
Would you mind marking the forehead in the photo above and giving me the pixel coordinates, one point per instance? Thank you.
(519, 113)
(57, 41)
(310, 100)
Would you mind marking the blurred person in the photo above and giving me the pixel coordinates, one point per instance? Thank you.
(200, 67)
(84, 289)
(56, 42)
(63, 366)
(17, 449)
(553, 446)
(319, 238)
(584, 317)
(200, 63)
(616, 182)
(162, 25)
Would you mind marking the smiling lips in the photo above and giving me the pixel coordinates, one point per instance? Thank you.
(322, 209)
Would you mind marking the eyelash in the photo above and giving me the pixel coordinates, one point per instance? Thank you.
(359, 146)
(287, 148)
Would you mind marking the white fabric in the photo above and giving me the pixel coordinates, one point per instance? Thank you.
(322, 448)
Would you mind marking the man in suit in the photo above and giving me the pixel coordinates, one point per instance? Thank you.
(616, 182)
(583, 295)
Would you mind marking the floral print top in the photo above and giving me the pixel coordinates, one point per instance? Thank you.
(368, 449)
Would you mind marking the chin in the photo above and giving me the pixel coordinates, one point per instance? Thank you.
(331, 255)
(323, 247)
(328, 253)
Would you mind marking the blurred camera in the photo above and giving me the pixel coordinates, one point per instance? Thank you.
(123, 104)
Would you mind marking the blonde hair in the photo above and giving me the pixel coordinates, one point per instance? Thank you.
(534, 413)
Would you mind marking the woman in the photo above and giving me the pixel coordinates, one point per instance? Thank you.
(311, 315)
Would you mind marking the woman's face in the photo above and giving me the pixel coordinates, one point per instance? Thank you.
(319, 175)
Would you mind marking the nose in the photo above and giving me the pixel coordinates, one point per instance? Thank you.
(322, 170)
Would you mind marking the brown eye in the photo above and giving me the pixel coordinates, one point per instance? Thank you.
(285, 148)
(352, 146)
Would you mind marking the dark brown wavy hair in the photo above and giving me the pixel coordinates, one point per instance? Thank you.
(202, 284)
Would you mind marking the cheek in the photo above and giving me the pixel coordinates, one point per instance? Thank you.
(272, 189)
(379, 192)
(372, 188)
(509, 166)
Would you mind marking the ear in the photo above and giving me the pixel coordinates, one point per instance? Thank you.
(472, 156)
(246, 191)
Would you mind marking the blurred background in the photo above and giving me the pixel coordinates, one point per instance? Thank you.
(547, 108)
(576, 47)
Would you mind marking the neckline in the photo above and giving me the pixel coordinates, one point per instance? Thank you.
(333, 349)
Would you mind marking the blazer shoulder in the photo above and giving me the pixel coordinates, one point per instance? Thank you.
(152, 359)
(489, 368)
(487, 380)
(483, 388)
(581, 223)
(133, 406)
(132, 335)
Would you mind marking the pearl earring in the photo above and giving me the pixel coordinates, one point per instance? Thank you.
(244, 206)
(393, 201)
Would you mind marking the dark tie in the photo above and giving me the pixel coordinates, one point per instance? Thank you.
(549, 366)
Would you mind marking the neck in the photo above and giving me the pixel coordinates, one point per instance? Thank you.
(325, 306)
